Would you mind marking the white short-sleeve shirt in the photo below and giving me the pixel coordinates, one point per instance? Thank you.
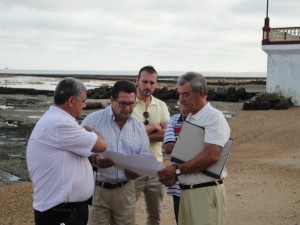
(217, 131)
(57, 160)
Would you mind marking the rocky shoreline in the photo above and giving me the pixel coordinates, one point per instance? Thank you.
(21, 108)
(18, 115)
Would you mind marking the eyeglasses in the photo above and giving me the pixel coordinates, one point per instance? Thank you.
(146, 116)
(124, 104)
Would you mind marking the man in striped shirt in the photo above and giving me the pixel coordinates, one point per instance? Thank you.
(171, 135)
(114, 197)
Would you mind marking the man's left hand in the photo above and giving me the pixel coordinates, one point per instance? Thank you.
(130, 174)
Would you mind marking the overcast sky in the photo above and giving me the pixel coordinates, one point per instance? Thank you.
(171, 35)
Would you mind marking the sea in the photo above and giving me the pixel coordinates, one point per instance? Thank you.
(48, 79)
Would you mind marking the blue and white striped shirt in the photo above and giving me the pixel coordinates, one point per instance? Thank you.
(131, 139)
(171, 137)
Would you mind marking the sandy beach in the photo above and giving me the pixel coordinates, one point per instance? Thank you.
(263, 186)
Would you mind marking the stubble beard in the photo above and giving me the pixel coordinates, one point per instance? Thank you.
(147, 92)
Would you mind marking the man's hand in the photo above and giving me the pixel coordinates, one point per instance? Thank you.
(167, 176)
(151, 128)
(130, 174)
(103, 162)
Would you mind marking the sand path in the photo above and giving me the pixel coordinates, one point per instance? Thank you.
(263, 186)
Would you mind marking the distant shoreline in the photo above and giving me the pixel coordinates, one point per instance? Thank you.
(133, 77)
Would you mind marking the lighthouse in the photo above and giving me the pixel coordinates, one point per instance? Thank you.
(282, 46)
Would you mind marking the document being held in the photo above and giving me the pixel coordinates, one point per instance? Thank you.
(145, 165)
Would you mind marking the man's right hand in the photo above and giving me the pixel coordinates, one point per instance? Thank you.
(103, 162)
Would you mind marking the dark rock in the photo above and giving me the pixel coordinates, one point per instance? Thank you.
(26, 91)
(249, 106)
(265, 105)
(218, 95)
(164, 93)
(103, 92)
(267, 101)
(241, 93)
(282, 104)
(94, 105)
(231, 95)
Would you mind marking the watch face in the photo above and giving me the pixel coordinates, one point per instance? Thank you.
(177, 171)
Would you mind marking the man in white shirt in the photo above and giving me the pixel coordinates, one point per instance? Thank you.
(57, 159)
(203, 198)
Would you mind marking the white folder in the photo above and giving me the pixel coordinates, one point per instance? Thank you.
(191, 142)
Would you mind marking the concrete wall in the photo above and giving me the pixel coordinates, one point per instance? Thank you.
(283, 71)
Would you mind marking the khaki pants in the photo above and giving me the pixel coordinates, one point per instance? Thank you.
(113, 206)
(203, 206)
(153, 192)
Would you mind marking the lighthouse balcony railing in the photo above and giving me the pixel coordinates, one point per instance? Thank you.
(283, 35)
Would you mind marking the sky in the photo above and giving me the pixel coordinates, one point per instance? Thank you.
(171, 35)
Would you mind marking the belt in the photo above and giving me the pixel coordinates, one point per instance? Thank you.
(110, 185)
(193, 186)
(69, 206)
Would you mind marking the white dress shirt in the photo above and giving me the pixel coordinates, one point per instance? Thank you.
(57, 160)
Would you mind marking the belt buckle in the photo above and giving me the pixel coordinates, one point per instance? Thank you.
(217, 182)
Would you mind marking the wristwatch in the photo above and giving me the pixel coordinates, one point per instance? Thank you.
(177, 171)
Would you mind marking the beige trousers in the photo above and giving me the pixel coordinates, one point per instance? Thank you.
(113, 206)
(203, 206)
(153, 192)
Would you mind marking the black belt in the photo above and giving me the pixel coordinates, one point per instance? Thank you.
(69, 206)
(193, 186)
(110, 185)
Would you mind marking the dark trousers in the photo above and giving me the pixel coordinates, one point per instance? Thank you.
(176, 201)
(63, 215)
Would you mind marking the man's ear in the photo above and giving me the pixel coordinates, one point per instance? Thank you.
(70, 100)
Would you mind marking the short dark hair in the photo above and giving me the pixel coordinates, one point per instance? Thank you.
(122, 86)
(149, 69)
(66, 88)
(196, 80)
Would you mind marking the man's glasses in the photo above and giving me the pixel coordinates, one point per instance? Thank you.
(124, 104)
(146, 116)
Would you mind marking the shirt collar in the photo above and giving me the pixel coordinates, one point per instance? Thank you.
(59, 110)
(112, 115)
(200, 112)
(152, 102)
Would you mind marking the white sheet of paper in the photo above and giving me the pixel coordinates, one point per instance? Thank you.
(145, 165)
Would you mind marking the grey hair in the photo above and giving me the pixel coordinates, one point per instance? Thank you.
(66, 88)
(196, 80)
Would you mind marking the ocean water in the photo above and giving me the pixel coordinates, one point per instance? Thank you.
(131, 73)
(43, 83)
(34, 78)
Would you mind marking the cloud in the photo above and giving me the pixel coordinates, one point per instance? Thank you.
(125, 35)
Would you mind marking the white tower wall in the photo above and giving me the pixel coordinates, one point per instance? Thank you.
(283, 72)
